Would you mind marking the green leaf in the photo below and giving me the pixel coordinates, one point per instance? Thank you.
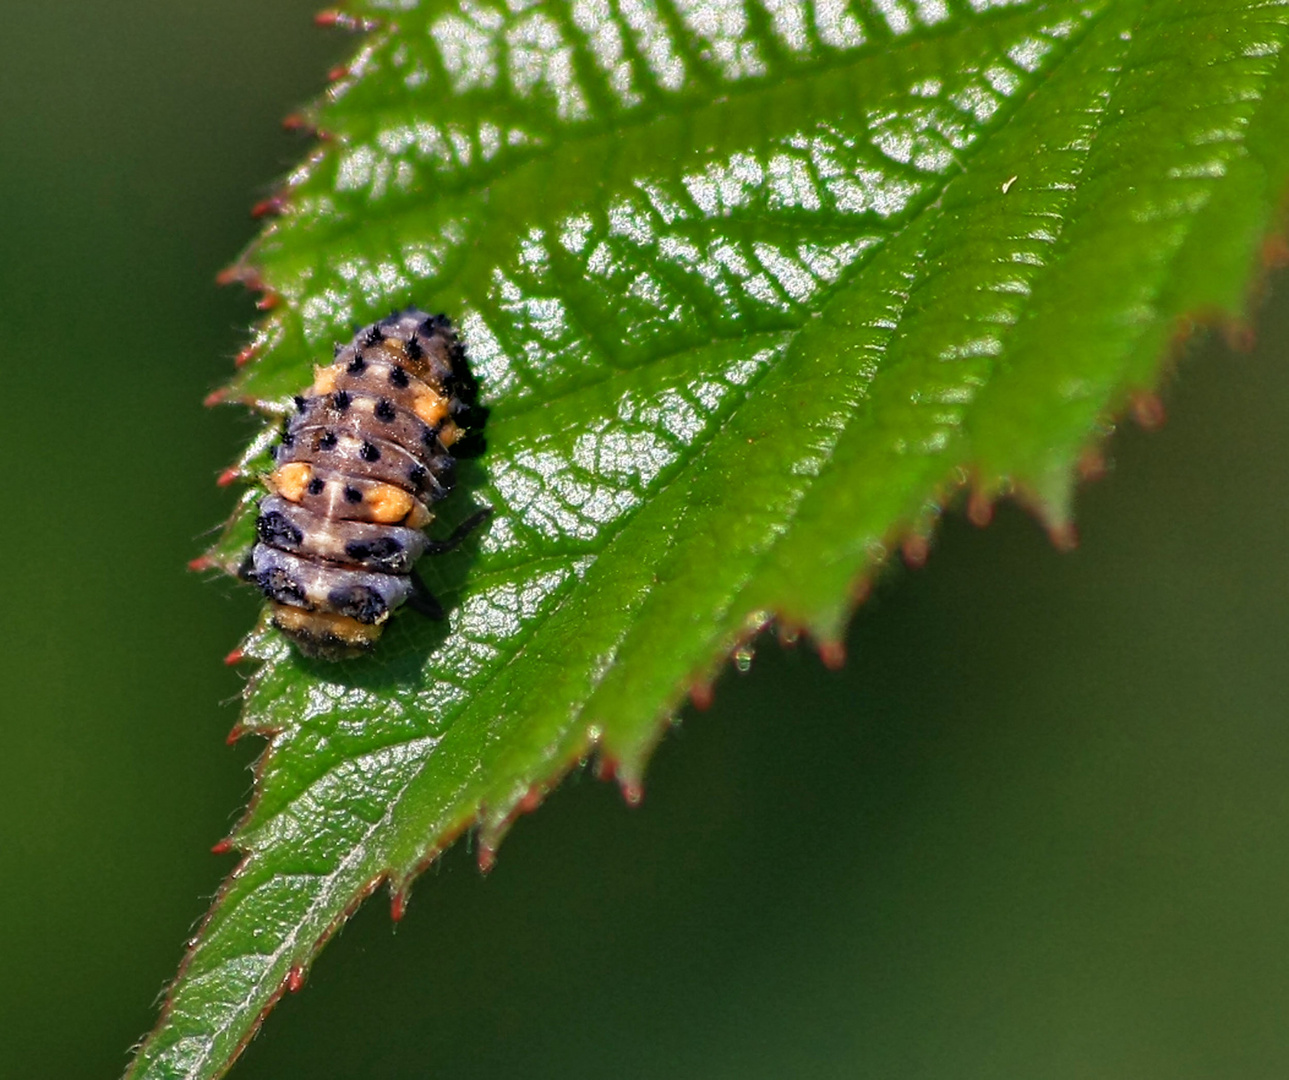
(753, 288)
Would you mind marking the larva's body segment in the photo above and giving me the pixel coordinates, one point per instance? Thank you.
(362, 460)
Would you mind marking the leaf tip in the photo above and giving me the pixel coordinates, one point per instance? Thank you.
(227, 476)
(249, 353)
(215, 397)
(223, 847)
(200, 564)
(234, 657)
(295, 978)
(398, 905)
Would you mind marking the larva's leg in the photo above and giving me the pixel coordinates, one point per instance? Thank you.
(424, 601)
(439, 547)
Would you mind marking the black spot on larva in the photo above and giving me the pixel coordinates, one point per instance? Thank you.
(340, 400)
(414, 350)
(434, 324)
(379, 549)
(277, 584)
(274, 529)
(369, 452)
(357, 366)
(300, 403)
(353, 495)
(384, 410)
(375, 335)
(358, 602)
(328, 441)
(417, 475)
(398, 376)
(316, 486)
(288, 439)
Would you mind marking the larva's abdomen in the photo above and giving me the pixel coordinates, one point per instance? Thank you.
(362, 460)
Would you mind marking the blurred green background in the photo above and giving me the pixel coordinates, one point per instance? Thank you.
(1036, 828)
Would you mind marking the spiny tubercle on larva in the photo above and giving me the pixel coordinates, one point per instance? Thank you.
(360, 463)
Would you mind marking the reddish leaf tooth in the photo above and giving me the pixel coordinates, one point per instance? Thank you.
(700, 693)
(915, 549)
(833, 654)
(980, 509)
(1148, 411)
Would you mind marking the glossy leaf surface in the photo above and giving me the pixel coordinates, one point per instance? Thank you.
(752, 288)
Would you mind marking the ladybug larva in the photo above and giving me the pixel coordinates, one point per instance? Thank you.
(361, 461)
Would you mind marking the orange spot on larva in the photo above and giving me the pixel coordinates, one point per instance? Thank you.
(388, 504)
(431, 408)
(324, 379)
(291, 480)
